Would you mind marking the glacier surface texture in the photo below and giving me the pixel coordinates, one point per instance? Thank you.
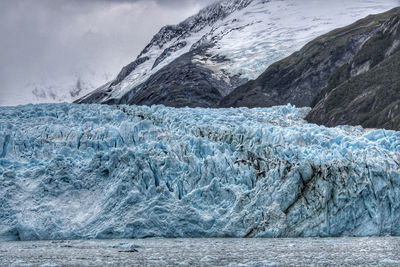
(89, 171)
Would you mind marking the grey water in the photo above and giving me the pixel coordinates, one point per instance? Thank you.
(369, 251)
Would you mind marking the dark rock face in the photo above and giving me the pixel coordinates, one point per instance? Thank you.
(128, 69)
(184, 82)
(96, 96)
(366, 91)
(181, 83)
(299, 78)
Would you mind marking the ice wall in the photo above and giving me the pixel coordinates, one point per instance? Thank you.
(89, 171)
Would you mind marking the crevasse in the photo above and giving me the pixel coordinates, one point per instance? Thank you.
(89, 171)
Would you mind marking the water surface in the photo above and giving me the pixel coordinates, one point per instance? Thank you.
(383, 251)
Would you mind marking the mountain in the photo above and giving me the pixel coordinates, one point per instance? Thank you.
(55, 89)
(203, 59)
(72, 171)
(350, 76)
(299, 78)
(366, 90)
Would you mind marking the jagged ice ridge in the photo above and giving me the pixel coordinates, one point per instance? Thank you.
(88, 171)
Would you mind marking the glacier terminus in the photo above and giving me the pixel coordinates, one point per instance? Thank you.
(72, 171)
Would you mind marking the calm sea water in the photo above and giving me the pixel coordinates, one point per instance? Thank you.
(383, 251)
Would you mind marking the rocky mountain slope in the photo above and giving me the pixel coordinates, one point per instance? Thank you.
(365, 91)
(350, 76)
(299, 78)
(201, 60)
(97, 171)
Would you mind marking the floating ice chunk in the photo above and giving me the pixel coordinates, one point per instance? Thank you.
(128, 245)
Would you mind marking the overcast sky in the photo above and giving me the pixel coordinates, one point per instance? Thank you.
(53, 39)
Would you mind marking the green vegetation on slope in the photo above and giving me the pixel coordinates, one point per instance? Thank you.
(366, 91)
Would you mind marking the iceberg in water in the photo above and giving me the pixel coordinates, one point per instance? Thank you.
(91, 171)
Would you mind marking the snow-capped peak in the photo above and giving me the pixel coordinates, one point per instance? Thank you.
(241, 38)
(206, 17)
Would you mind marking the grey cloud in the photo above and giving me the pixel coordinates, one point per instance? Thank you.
(181, 4)
(160, 2)
(43, 39)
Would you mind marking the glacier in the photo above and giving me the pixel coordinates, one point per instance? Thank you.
(72, 171)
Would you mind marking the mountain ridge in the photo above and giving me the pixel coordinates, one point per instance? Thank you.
(303, 71)
(185, 29)
(330, 63)
(226, 45)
